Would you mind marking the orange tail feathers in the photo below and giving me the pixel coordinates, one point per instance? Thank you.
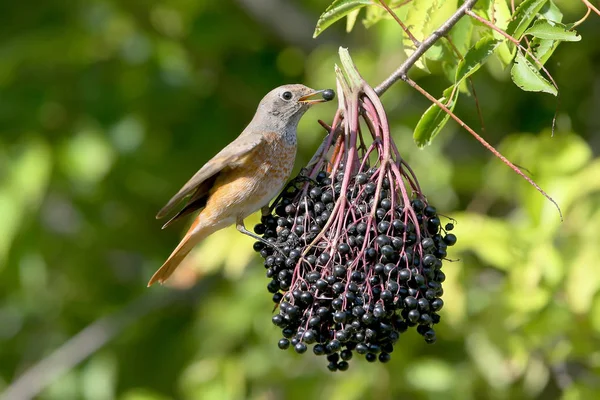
(191, 239)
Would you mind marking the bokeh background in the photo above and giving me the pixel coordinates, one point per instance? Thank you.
(106, 109)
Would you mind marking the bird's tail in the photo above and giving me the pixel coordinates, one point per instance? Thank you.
(191, 239)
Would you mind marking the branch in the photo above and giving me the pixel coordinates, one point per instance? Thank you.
(590, 6)
(404, 27)
(400, 73)
(484, 143)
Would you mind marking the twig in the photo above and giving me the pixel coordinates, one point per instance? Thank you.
(582, 20)
(527, 51)
(471, 84)
(404, 27)
(91, 339)
(400, 73)
(485, 144)
(591, 6)
(516, 42)
(442, 31)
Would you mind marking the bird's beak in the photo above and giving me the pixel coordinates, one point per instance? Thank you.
(306, 99)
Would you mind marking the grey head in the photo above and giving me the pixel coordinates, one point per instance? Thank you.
(281, 109)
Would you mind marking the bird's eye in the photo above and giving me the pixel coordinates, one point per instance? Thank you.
(287, 95)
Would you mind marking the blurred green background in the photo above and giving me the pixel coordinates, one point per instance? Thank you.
(108, 107)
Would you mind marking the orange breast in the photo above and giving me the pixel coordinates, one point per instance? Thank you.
(258, 178)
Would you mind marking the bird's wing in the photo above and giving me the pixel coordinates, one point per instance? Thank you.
(230, 156)
(196, 201)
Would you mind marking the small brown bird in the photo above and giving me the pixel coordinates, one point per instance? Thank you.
(245, 175)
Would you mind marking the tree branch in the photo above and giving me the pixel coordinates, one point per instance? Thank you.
(400, 73)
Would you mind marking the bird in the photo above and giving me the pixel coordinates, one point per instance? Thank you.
(244, 176)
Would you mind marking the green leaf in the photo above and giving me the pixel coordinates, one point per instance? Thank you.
(448, 63)
(373, 16)
(499, 14)
(544, 29)
(418, 20)
(434, 119)
(502, 15)
(475, 58)
(461, 36)
(351, 19)
(542, 45)
(443, 9)
(496, 11)
(543, 49)
(435, 52)
(551, 12)
(422, 18)
(337, 10)
(526, 76)
(376, 14)
(504, 54)
(523, 17)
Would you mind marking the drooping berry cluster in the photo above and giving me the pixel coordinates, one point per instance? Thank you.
(357, 289)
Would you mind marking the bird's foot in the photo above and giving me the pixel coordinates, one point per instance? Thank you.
(242, 228)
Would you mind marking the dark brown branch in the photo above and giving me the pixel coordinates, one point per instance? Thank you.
(400, 73)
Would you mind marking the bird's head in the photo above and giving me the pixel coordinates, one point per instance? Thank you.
(287, 103)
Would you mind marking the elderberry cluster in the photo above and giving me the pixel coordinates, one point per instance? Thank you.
(382, 277)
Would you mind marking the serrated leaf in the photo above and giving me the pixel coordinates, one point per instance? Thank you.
(337, 10)
(502, 15)
(496, 11)
(434, 118)
(524, 15)
(376, 14)
(542, 49)
(418, 21)
(422, 18)
(443, 9)
(475, 58)
(461, 36)
(526, 76)
(544, 29)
